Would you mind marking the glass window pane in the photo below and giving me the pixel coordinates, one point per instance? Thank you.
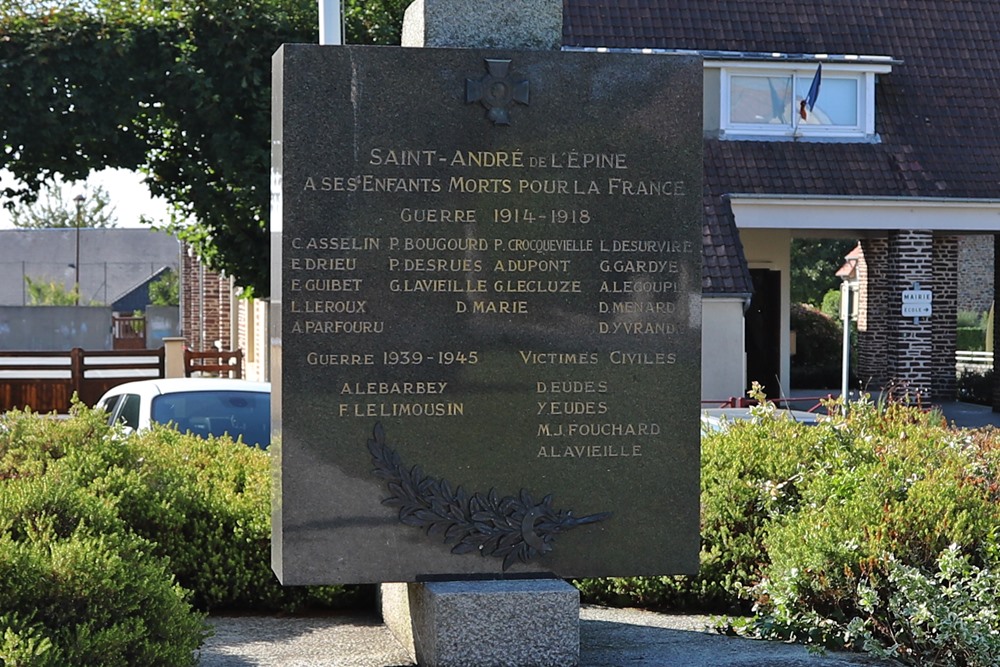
(130, 411)
(760, 100)
(240, 414)
(837, 103)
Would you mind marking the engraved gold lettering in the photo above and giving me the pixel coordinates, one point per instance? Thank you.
(620, 186)
(571, 387)
(637, 328)
(639, 266)
(637, 307)
(438, 409)
(508, 307)
(621, 358)
(488, 159)
(437, 215)
(380, 388)
(334, 359)
(337, 327)
(401, 157)
(569, 358)
(589, 451)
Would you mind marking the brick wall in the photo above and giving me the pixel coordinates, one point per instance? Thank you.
(911, 358)
(909, 345)
(944, 337)
(206, 302)
(873, 322)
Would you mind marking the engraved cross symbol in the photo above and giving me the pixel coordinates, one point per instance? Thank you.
(497, 91)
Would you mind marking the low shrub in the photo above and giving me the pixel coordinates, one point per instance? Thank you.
(750, 475)
(820, 532)
(970, 338)
(80, 589)
(817, 363)
(903, 489)
(933, 619)
(95, 524)
(976, 386)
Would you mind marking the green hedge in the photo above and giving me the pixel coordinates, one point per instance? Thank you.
(817, 531)
(971, 338)
(114, 545)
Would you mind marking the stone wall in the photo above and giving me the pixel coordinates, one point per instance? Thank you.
(975, 280)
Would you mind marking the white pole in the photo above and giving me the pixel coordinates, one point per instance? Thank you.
(845, 314)
(330, 23)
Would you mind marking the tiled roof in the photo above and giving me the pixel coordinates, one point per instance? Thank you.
(938, 111)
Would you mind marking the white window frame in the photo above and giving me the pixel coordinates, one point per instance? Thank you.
(864, 73)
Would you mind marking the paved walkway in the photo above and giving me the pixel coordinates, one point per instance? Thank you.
(608, 638)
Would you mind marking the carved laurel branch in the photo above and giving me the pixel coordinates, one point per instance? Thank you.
(514, 528)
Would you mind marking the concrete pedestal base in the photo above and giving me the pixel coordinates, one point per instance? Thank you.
(519, 623)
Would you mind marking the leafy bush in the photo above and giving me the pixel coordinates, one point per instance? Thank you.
(971, 338)
(817, 363)
(79, 588)
(934, 620)
(750, 475)
(155, 514)
(976, 386)
(973, 319)
(901, 490)
(823, 533)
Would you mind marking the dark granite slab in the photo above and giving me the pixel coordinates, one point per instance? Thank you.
(486, 331)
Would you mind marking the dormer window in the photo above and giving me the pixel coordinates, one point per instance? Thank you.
(763, 99)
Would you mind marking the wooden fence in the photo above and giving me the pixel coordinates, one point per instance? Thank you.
(46, 381)
(214, 363)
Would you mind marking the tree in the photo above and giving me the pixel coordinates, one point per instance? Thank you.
(55, 210)
(165, 290)
(814, 267)
(50, 293)
(179, 90)
(374, 22)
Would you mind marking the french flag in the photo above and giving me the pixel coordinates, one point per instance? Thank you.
(810, 100)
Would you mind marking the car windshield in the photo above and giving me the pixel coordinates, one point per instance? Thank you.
(243, 415)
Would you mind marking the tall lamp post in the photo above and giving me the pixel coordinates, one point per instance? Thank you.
(79, 199)
(848, 303)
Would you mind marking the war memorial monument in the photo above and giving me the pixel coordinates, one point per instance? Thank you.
(486, 284)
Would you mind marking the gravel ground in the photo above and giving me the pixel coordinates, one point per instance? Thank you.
(608, 638)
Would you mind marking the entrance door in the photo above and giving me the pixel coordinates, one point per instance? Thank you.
(763, 332)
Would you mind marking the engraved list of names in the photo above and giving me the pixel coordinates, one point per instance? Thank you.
(486, 313)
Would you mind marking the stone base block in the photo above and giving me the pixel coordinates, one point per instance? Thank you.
(522, 623)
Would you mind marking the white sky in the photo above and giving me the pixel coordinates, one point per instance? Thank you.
(129, 197)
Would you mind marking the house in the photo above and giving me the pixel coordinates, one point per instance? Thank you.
(113, 269)
(900, 151)
(112, 262)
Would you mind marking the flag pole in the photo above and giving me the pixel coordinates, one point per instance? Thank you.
(331, 23)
